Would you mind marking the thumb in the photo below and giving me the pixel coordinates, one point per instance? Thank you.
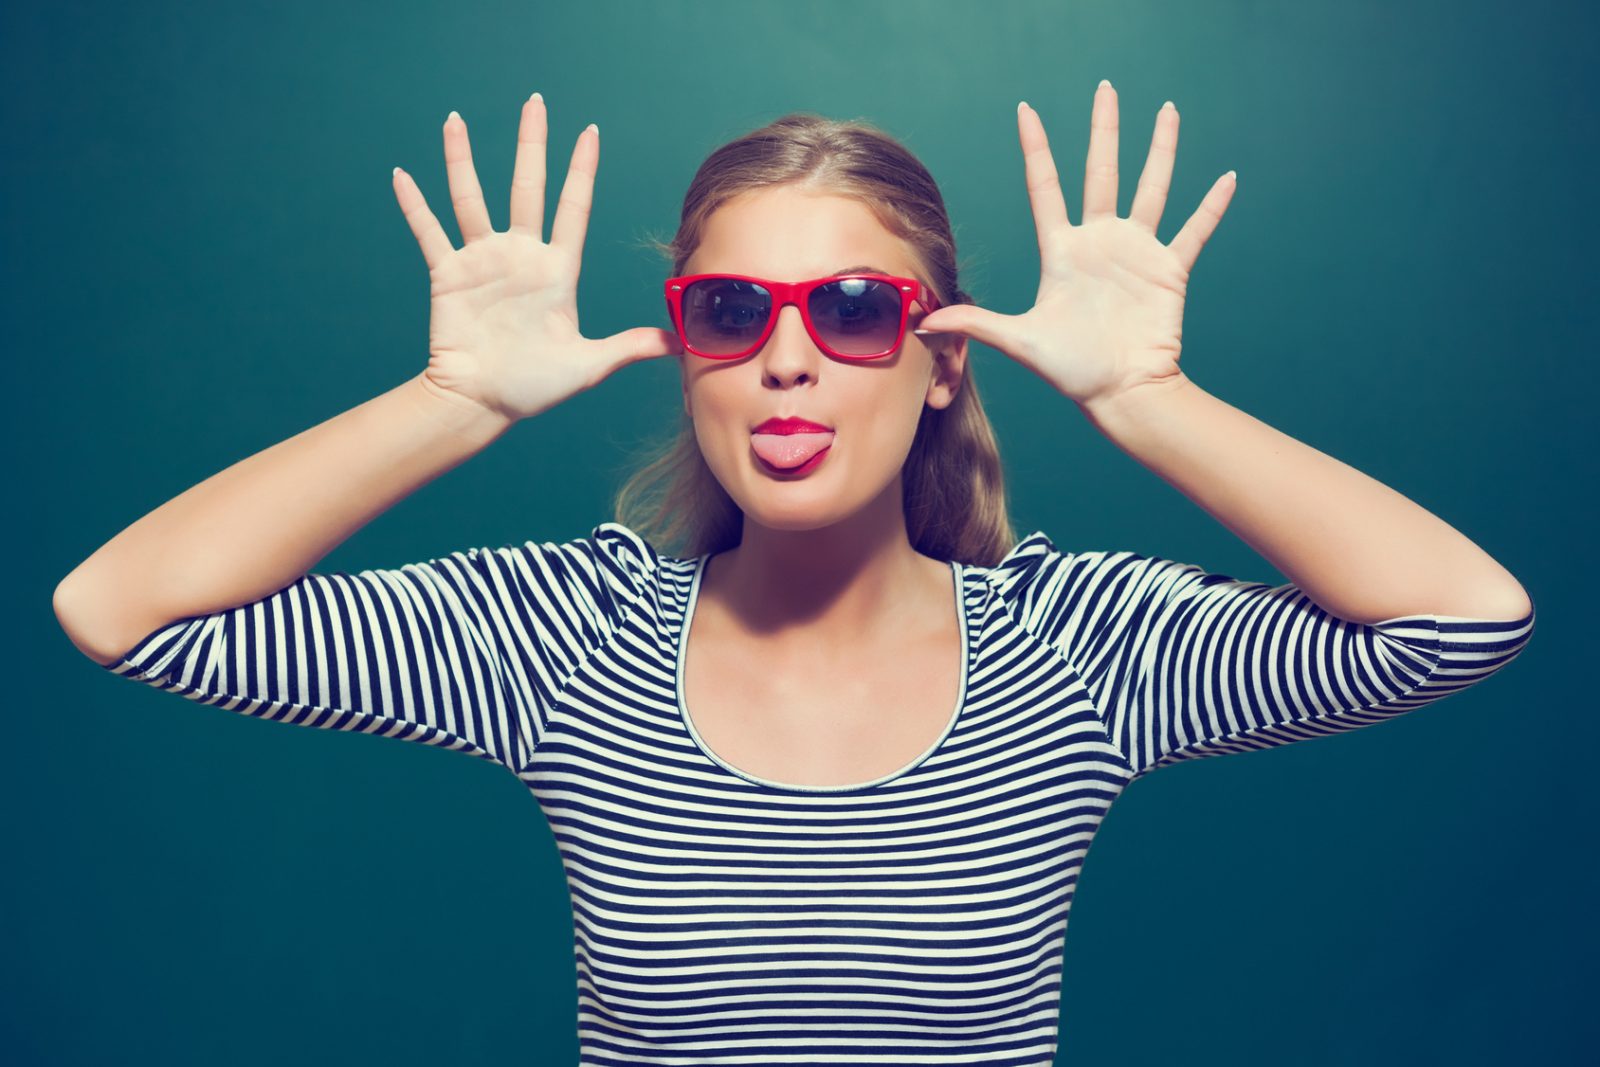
(988, 327)
(641, 342)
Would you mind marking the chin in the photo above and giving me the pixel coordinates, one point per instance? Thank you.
(792, 525)
(812, 513)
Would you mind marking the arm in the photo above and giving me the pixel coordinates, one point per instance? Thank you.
(258, 525)
(1181, 664)
(1389, 608)
(207, 596)
(468, 652)
(1359, 549)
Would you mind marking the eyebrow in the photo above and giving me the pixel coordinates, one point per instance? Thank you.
(860, 268)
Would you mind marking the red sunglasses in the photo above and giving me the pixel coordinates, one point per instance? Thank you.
(849, 316)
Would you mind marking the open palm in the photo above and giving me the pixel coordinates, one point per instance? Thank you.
(1109, 312)
(503, 325)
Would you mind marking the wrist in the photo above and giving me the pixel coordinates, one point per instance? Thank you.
(459, 415)
(1129, 407)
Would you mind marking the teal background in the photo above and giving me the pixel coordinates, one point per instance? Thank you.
(204, 256)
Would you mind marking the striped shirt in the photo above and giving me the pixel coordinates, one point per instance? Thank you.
(721, 918)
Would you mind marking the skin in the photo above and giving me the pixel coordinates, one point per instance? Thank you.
(825, 562)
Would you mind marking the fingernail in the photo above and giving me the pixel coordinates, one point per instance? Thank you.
(594, 127)
(536, 96)
(1022, 104)
(1168, 105)
(450, 116)
(1105, 83)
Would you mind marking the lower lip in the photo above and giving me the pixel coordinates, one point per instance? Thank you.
(805, 468)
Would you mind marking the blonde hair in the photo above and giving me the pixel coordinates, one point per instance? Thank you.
(953, 482)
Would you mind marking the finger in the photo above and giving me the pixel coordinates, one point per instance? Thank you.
(527, 175)
(472, 214)
(969, 320)
(1100, 171)
(1203, 223)
(577, 194)
(430, 235)
(1150, 199)
(641, 342)
(1039, 170)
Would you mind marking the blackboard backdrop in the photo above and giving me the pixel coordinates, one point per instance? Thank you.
(204, 256)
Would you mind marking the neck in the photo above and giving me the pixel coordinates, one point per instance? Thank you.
(845, 582)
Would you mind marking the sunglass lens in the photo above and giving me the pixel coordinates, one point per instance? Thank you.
(857, 316)
(722, 317)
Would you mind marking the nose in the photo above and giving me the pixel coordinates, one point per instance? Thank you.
(790, 356)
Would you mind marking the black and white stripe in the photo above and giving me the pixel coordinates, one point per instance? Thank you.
(1184, 664)
(724, 919)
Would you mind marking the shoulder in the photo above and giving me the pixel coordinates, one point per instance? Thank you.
(611, 567)
(1033, 557)
(1036, 569)
(634, 561)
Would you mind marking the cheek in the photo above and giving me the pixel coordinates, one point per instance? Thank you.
(910, 395)
(719, 426)
(885, 424)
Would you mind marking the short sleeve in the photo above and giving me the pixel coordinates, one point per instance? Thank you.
(465, 652)
(1185, 664)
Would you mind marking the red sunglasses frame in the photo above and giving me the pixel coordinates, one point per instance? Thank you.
(798, 294)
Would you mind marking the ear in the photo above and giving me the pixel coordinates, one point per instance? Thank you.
(949, 370)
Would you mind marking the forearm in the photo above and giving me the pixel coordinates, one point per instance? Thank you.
(1355, 546)
(262, 523)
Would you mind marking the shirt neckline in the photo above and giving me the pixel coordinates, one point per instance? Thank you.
(958, 581)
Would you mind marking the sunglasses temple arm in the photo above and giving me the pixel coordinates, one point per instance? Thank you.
(930, 304)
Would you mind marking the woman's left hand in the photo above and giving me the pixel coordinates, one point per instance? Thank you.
(1109, 314)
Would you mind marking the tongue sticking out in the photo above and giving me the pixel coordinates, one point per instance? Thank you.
(789, 450)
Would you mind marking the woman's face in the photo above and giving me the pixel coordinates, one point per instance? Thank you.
(872, 406)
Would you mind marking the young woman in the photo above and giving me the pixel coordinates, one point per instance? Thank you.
(823, 779)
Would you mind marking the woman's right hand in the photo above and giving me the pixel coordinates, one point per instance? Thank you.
(503, 330)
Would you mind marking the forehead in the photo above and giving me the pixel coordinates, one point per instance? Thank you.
(785, 233)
